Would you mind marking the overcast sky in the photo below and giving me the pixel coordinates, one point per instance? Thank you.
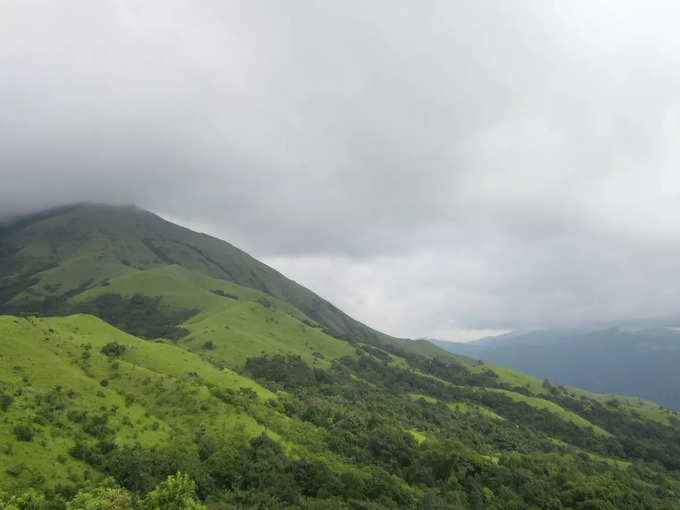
(433, 168)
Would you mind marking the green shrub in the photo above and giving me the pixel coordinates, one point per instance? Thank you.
(178, 492)
(113, 349)
(23, 433)
(5, 401)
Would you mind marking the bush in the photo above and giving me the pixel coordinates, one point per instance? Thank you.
(23, 433)
(5, 401)
(178, 492)
(102, 498)
(113, 349)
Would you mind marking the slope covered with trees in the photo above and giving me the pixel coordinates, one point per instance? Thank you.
(129, 381)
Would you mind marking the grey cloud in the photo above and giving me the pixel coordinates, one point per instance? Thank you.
(429, 167)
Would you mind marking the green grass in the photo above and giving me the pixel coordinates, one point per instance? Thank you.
(241, 322)
(249, 329)
(182, 288)
(418, 436)
(39, 355)
(646, 409)
(621, 464)
(156, 357)
(426, 398)
(540, 403)
(468, 408)
(171, 389)
(460, 407)
(512, 377)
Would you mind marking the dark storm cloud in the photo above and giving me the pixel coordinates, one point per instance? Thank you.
(429, 167)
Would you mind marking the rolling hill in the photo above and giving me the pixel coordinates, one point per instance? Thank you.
(132, 349)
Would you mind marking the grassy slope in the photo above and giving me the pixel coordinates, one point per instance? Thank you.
(172, 397)
(460, 407)
(158, 373)
(540, 403)
(244, 328)
(253, 324)
(635, 406)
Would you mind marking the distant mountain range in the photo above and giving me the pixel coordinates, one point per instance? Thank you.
(640, 358)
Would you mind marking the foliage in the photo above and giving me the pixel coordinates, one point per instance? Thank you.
(23, 432)
(5, 401)
(178, 492)
(113, 349)
(257, 407)
(139, 315)
(29, 500)
(101, 498)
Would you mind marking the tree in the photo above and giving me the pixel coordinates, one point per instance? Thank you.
(102, 498)
(23, 432)
(29, 500)
(5, 401)
(178, 492)
(113, 349)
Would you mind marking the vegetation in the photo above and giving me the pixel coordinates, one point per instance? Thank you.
(180, 389)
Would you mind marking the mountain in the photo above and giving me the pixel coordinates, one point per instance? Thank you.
(639, 361)
(84, 250)
(143, 365)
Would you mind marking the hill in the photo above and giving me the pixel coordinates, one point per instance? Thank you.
(61, 253)
(132, 349)
(637, 361)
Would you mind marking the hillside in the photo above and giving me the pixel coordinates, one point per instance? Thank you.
(637, 361)
(132, 349)
(58, 254)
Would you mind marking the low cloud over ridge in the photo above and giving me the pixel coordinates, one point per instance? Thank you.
(429, 168)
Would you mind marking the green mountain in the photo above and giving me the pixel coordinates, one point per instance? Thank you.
(67, 252)
(143, 365)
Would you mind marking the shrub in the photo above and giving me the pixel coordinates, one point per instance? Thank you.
(102, 498)
(178, 492)
(23, 433)
(113, 349)
(5, 401)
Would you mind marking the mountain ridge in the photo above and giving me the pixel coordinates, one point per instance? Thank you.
(168, 243)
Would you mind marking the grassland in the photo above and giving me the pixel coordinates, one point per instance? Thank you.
(460, 407)
(540, 403)
(149, 394)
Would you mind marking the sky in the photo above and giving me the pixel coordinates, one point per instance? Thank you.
(443, 169)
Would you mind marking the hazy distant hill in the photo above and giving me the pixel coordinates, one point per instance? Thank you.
(632, 361)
